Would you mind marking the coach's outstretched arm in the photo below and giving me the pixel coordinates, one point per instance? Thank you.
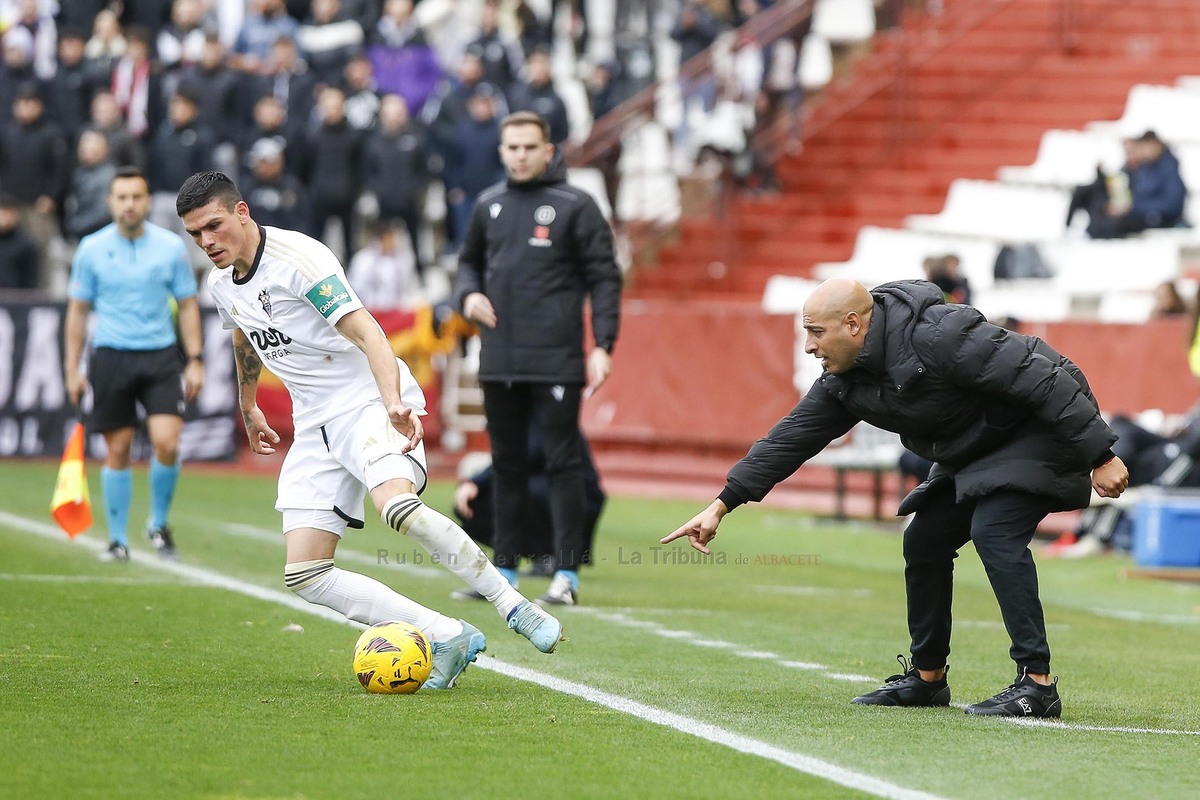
(249, 367)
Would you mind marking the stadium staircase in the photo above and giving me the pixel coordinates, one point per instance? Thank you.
(955, 95)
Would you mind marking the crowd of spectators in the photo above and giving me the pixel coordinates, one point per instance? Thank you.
(336, 117)
(323, 110)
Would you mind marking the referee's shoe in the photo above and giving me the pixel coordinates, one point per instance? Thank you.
(908, 689)
(163, 541)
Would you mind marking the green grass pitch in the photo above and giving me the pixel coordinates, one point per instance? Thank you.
(132, 681)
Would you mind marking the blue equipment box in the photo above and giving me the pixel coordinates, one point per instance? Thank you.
(1166, 530)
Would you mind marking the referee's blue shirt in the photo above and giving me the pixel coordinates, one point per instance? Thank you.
(129, 285)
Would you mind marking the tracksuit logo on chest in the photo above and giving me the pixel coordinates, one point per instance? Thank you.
(542, 218)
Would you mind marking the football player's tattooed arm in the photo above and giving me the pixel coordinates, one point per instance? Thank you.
(249, 367)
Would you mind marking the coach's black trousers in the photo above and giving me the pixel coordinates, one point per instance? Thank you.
(1001, 525)
(510, 409)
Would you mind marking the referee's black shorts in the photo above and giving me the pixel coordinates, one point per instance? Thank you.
(122, 378)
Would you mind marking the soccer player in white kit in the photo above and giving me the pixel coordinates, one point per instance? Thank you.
(356, 409)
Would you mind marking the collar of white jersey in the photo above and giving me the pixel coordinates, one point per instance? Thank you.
(262, 242)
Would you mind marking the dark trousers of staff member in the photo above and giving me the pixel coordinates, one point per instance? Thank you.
(1001, 526)
(511, 408)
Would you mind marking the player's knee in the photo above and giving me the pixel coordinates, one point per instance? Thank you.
(402, 512)
(305, 577)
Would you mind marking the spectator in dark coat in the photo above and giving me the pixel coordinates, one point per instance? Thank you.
(181, 148)
(396, 168)
(19, 255)
(16, 70)
(149, 14)
(536, 93)
(34, 164)
(1014, 432)
(217, 89)
(362, 94)
(71, 88)
(85, 209)
(501, 55)
(106, 44)
(180, 42)
(271, 122)
(275, 196)
(475, 164)
(448, 107)
(287, 78)
(1148, 192)
(329, 39)
(334, 178)
(123, 148)
(79, 14)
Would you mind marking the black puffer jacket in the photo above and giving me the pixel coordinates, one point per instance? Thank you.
(537, 249)
(994, 409)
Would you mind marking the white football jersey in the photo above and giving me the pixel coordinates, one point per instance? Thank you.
(288, 305)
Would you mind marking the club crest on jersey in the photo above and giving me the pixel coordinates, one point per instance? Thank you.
(264, 297)
(328, 295)
(544, 215)
(494, 210)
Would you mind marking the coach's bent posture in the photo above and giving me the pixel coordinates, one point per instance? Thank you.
(1013, 430)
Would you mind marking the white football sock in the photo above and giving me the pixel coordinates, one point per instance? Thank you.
(364, 599)
(450, 546)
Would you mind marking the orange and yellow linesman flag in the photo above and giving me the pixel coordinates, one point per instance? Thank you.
(71, 507)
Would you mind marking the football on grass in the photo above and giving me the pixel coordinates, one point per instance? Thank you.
(392, 658)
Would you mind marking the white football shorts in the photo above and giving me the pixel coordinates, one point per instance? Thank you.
(328, 470)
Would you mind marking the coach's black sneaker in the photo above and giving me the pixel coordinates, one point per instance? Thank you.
(162, 540)
(115, 552)
(908, 689)
(1025, 698)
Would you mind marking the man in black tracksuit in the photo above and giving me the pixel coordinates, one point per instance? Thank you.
(1014, 432)
(535, 248)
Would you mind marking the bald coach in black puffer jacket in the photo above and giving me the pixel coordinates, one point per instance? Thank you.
(1014, 432)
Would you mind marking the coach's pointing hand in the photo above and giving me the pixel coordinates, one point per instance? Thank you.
(702, 528)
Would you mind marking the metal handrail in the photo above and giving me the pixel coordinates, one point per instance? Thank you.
(890, 68)
(765, 27)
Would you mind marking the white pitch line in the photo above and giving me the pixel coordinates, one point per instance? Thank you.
(709, 732)
(1143, 616)
(624, 619)
(258, 534)
(216, 579)
(113, 579)
(812, 591)
(687, 725)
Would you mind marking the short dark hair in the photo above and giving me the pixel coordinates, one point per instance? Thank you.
(129, 171)
(526, 118)
(205, 187)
